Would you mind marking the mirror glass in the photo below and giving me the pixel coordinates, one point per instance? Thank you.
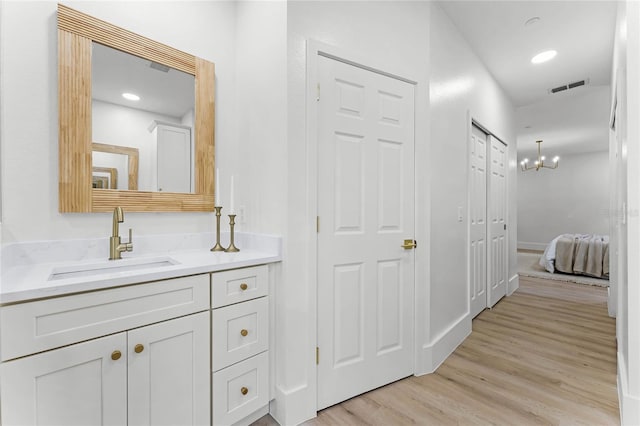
(157, 121)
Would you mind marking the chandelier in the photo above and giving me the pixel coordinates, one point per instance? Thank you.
(539, 163)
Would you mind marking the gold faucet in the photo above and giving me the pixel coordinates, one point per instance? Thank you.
(115, 247)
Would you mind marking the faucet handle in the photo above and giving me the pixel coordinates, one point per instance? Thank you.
(129, 244)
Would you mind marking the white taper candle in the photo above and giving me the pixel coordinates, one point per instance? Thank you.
(232, 210)
(217, 202)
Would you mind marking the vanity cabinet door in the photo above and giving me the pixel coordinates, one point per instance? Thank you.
(168, 372)
(82, 384)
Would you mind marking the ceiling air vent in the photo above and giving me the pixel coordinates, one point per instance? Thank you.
(159, 67)
(569, 86)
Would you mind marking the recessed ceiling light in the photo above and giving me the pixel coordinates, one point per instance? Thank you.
(532, 21)
(131, 96)
(544, 56)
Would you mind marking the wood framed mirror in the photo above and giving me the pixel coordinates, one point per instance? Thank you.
(76, 33)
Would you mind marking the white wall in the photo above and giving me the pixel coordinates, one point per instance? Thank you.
(461, 89)
(574, 198)
(260, 156)
(625, 215)
(28, 105)
(383, 34)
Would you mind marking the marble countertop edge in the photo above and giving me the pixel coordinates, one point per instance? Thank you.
(23, 283)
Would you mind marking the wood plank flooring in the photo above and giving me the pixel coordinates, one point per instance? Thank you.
(545, 355)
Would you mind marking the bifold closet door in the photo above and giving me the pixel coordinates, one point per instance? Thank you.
(497, 285)
(488, 220)
(478, 152)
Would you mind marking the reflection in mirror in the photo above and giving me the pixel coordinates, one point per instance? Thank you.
(104, 178)
(122, 160)
(156, 94)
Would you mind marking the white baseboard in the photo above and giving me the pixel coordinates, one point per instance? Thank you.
(294, 406)
(253, 416)
(629, 404)
(514, 284)
(523, 245)
(435, 353)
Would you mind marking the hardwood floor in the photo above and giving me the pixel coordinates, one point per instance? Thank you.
(545, 355)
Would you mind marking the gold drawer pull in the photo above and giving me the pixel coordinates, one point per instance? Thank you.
(244, 390)
(244, 332)
(115, 355)
(138, 348)
(244, 286)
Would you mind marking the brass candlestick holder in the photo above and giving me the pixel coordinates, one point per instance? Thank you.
(232, 223)
(218, 246)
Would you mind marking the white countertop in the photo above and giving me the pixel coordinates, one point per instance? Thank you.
(27, 280)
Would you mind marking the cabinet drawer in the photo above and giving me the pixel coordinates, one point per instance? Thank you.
(45, 324)
(239, 331)
(240, 390)
(238, 285)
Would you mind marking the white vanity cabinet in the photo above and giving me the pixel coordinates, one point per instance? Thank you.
(240, 343)
(75, 385)
(129, 355)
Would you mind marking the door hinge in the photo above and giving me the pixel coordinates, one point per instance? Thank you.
(318, 224)
(317, 355)
(318, 93)
(505, 226)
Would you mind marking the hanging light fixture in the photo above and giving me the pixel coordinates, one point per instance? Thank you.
(539, 163)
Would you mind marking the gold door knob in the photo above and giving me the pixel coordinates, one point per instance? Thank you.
(244, 286)
(115, 355)
(244, 390)
(244, 332)
(409, 244)
(138, 348)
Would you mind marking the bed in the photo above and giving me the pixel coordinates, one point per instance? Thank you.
(580, 254)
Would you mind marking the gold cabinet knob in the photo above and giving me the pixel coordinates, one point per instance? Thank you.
(138, 348)
(244, 390)
(244, 332)
(244, 286)
(115, 355)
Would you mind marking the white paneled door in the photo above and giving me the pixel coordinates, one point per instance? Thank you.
(497, 285)
(478, 221)
(365, 214)
(487, 221)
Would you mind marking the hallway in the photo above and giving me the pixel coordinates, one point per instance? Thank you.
(545, 355)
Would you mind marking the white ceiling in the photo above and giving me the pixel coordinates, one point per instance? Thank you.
(115, 72)
(581, 31)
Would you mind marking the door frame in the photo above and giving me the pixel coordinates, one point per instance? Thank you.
(314, 49)
(474, 122)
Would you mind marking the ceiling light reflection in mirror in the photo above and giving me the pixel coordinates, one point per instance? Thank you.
(129, 95)
(545, 56)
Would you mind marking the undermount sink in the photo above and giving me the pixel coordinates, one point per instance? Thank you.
(110, 267)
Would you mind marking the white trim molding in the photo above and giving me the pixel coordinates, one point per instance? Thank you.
(524, 245)
(292, 407)
(436, 352)
(514, 284)
(629, 404)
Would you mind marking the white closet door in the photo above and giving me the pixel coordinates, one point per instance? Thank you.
(366, 211)
(498, 222)
(477, 221)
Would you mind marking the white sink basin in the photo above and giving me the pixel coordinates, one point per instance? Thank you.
(110, 267)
